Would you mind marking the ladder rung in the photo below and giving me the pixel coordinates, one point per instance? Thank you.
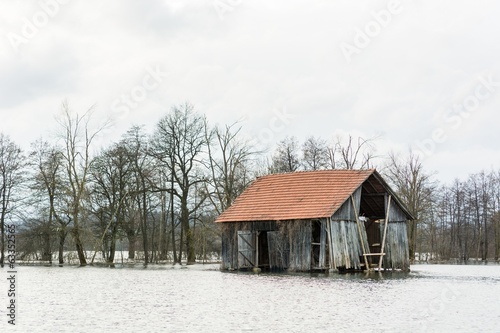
(374, 254)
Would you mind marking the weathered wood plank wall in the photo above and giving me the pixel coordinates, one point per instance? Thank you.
(229, 232)
(299, 235)
(397, 253)
(279, 250)
(229, 246)
(345, 241)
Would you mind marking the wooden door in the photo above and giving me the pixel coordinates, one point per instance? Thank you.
(246, 249)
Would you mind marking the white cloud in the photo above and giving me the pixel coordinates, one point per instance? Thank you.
(262, 56)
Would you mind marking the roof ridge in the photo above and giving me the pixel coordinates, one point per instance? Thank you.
(317, 171)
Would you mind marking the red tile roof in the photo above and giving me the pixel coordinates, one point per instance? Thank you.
(297, 195)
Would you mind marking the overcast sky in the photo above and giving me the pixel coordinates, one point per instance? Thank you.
(421, 74)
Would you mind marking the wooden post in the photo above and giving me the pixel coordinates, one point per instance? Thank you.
(257, 249)
(256, 268)
(367, 267)
(330, 246)
(385, 233)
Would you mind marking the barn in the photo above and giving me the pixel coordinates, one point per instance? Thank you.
(327, 220)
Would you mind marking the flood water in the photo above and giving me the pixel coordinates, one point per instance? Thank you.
(432, 298)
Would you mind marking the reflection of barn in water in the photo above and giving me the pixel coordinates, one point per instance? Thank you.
(316, 220)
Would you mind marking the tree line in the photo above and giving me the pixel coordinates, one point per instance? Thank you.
(159, 193)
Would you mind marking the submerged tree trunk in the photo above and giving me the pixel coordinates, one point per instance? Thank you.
(112, 245)
(62, 239)
(172, 219)
(412, 239)
(131, 237)
(190, 253)
(497, 239)
(47, 253)
(80, 250)
(2, 228)
(181, 243)
(144, 228)
(163, 229)
(485, 241)
(47, 248)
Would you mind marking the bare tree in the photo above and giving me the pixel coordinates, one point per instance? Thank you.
(12, 163)
(315, 153)
(77, 139)
(415, 188)
(496, 226)
(142, 177)
(180, 141)
(286, 156)
(496, 215)
(467, 218)
(47, 183)
(352, 153)
(229, 164)
(110, 176)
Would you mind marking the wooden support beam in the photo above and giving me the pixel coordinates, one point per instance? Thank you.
(387, 214)
(330, 246)
(257, 249)
(359, 232)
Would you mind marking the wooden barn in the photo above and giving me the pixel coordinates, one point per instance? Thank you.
(337, 220)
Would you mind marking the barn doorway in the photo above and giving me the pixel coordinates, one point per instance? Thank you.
(253, 249)
(263, 249)
(372, 227)
(315, 244)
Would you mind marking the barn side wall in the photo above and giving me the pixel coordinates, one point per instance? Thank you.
(344, 236)
(289, 243)
(299, 240)
(396, 246)
(229, 246)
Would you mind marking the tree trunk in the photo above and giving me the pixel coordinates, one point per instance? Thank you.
(412, 239)
(497, 237)
(172, 219)
(79, 247)
(47, 248)
(163, 228)
(190, 253)
(62, 239)
(131, 237)
(181, 243)
(191, 257)
(154, 242)
(112, 249)
(144, 228)
(485, 241)
(2, 228)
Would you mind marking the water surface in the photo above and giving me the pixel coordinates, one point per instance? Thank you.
(432, 298)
